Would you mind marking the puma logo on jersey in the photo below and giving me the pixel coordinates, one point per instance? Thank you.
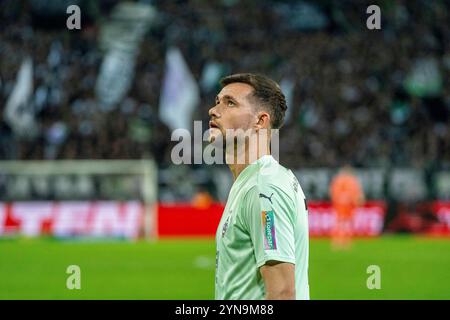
(261, 195)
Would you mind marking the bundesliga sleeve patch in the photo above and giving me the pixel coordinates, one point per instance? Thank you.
(268, 221)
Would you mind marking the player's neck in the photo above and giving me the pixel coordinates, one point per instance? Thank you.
(246, 156)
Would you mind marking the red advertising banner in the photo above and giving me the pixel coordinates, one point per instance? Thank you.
(186, 220)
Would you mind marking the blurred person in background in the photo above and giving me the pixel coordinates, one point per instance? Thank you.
(346, 195)
(202, 199)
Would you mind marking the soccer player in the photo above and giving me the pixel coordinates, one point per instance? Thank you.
(346, 195)
(262, 238)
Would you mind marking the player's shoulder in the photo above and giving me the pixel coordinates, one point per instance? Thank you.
(273, 178)
(272, 173)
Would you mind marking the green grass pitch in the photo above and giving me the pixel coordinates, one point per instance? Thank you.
(411, 268)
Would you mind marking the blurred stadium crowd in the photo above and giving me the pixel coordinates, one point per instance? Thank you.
(359, 96)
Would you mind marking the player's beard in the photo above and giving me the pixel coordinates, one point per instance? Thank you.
(217, 140)
(220, 142)
(230, 145)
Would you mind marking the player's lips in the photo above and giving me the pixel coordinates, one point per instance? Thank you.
(212, 124)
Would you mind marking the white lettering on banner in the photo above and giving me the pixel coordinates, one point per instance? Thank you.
(31, 215)
(367, 221)
(71, 218)
(111, 219)
(320, 221)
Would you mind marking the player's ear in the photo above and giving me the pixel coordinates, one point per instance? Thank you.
(263, 120)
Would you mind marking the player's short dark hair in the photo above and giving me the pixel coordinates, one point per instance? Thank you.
(267, 93)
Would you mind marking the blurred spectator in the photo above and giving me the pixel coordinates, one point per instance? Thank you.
(202, 199)
(346, 196)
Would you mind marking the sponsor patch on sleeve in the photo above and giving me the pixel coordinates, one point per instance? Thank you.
(268, 221)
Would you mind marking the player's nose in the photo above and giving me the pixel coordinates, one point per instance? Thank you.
(213, 113)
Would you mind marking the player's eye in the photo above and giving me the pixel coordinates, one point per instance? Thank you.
(230, 103)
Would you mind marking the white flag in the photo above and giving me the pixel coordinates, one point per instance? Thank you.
(179, 93)
(19, 111)
(115, 78)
